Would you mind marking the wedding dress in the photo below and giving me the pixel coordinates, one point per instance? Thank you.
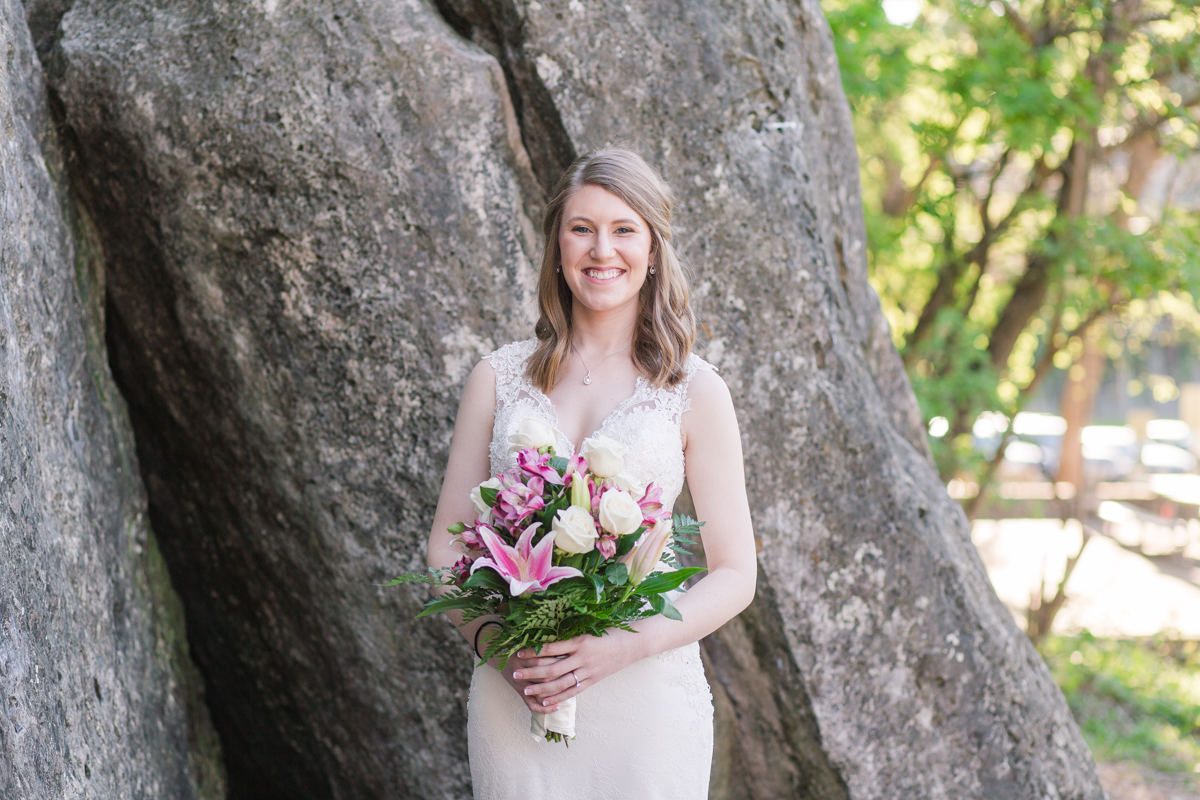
(645, 732)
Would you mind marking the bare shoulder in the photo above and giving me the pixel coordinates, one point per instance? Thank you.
(479, 393)
(710, 407)
(707, 386)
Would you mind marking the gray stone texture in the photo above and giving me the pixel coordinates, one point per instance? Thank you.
(317, 215)
(99, 697)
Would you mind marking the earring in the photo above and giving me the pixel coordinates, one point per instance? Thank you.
(558, 268)
(652, 269)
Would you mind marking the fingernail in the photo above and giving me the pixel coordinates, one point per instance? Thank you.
(517, 675)
(528, 690)
(545, 702)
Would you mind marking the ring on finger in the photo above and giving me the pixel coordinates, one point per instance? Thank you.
(576, 677)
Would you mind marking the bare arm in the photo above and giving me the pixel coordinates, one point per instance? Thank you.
(713, 458)
(467, 467)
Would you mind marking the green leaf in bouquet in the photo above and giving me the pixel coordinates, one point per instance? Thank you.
(456, 528)
(485, 579)
(617, 574)
(665, 581)
(597, 584)
(626, 542)
(592, 560)
(451, 602)
(559, 464)
(433, 577)
(684, 526)
(665, 607)
(489, 495)
(547, 514)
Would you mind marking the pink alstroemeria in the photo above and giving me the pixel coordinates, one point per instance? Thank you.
(538, 464)
(470, 536)
(607, 545)
(599, 487)
(526, 568)
(461, 570)
(651, 504)
(517, 500)
(576, 463)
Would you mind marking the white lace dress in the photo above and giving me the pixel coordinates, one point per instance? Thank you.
(645, 732)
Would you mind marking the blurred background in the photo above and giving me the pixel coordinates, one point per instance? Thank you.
(1031, 180)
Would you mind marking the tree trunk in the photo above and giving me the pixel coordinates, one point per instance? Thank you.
(318, 216)
(100, 697)
(1078, 399)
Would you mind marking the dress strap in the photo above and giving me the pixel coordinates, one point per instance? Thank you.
(509, 364)
(676, 401)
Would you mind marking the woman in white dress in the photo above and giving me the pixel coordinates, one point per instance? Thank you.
(612, 358)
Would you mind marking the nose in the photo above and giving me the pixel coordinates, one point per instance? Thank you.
(602, 248)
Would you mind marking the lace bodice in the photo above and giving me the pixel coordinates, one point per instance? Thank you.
(647, 422)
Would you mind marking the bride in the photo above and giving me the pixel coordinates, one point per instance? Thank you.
(612, 363)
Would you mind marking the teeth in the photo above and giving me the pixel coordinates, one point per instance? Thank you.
(602, 275)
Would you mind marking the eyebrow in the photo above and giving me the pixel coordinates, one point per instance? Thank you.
(615, 221)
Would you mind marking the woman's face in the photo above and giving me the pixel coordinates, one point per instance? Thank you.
(605, 248)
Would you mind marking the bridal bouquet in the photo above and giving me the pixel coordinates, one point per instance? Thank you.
(560, 548)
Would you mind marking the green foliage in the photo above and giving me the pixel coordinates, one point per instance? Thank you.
(1135, 701)
(1002, 147)
(588, 605)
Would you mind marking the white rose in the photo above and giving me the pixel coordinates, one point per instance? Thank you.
(535, 433)
(627, 483)
(619, 513)
(481, 507)
(605, 457)
(574, 530)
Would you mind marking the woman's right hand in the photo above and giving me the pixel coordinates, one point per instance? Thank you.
(516, 665)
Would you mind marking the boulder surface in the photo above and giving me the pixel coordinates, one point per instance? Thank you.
(316, 217)
(100, 698)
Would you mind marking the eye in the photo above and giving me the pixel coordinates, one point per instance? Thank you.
(623, 229)
(581, 229)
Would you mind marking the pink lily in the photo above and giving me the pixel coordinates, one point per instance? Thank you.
(526, 568)
(651, 504)
(643, 558)
(538, 464)
(518, 500)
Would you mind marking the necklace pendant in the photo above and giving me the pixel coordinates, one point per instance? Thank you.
(587, 380)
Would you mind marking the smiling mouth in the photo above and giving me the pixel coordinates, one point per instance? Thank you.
(602, 274)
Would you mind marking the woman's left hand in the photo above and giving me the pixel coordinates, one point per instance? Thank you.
(581, 662)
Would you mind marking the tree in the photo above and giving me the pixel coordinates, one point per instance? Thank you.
(1004, 147)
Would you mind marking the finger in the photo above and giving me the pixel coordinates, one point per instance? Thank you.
(563, 648)
(546, 672)
(571, 691)
(553, 688)
(536, 706)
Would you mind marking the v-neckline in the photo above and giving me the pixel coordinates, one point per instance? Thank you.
(628, 401)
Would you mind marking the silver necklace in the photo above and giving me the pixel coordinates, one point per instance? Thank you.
(587, 379)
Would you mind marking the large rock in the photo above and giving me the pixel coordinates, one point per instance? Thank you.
(315, 221)
(99, 697)
(317, 215)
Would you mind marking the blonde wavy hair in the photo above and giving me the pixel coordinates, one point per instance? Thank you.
(666, 327)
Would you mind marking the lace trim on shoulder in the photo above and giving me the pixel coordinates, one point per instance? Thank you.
(509, 364)
(695, 363)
